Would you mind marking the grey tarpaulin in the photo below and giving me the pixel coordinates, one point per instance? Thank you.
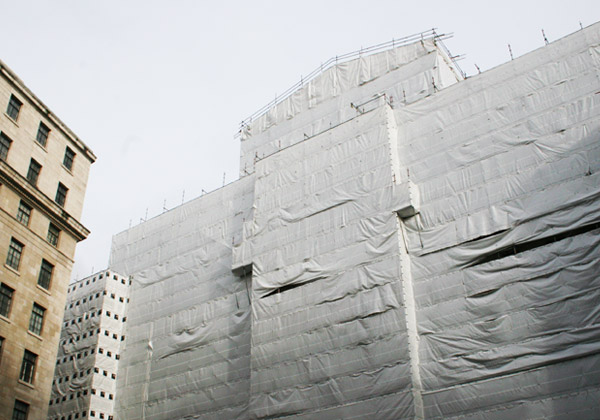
(432, 253)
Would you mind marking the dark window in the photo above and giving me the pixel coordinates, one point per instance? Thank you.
(4, 146)
(14, 106)
(37, 319)
(24, 213)
(20, 410)
(13, 258)
(69, 157)
(33, 173)
(61, 194)
(53, 233)
(42, 134)
(45, 274)
(1, 344)
(28, 366)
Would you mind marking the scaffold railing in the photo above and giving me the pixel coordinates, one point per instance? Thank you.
(339, 59)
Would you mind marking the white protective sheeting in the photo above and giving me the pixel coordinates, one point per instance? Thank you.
(505, 250)
(431, 253)
(404, 75)
(187, 352)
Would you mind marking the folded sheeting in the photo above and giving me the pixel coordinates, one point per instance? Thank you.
(428, 253)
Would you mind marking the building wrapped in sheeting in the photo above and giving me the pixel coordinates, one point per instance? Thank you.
(402, 244)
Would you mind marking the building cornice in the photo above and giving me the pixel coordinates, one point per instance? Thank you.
(61, 218)
(8, 74)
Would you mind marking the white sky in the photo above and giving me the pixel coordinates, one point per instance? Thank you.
(157, 88)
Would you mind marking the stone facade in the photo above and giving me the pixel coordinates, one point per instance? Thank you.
(39, 229)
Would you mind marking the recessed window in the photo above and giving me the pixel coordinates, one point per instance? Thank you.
(42, 134)
(28, 367)
(1, 345)
(45, 274)
(5, 143)
(14, 106)
(24, 213)
(61, 194)
(20, 410)
(33, 173)
(68, 159)
(13, 258)
(53, 233)
(37, 319)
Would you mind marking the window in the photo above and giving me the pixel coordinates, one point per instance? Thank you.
(53, 233)
(4, 146)
(45, 274)
(6, 294)
(13, 258)
(37, 319)
(20, 410)
(28, 366)
(24, 213)
(33, 173)
(68, 159)
(61, 194)
(1, 344)
(42, 134)
(14, 106)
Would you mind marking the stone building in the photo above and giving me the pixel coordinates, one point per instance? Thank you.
(403, 243)
(89, 350)
(44, 170)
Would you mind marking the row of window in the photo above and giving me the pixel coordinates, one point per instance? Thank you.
(91, 315)
(91, 333)
(74, 287)
(91, 296)
(36, 321)
(14, 108)
(102, 394)
(84, 354)
(81, 375)
(71, 396)
(83, 414)
(13, 260)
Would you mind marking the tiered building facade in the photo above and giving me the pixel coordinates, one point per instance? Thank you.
(402, 244)
(44, 169)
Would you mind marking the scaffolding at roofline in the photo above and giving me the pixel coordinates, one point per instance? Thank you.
(339, 59)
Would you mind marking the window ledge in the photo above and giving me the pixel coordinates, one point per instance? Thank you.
(5, 319)
(12, 269)
(40, 146)
(35, 335)
(67, 169)
(46, 291)
(11, 120)
(27, 384)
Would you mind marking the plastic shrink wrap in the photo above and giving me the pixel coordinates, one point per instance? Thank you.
(402, 244)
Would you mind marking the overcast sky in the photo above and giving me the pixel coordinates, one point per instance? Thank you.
(157, 88)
